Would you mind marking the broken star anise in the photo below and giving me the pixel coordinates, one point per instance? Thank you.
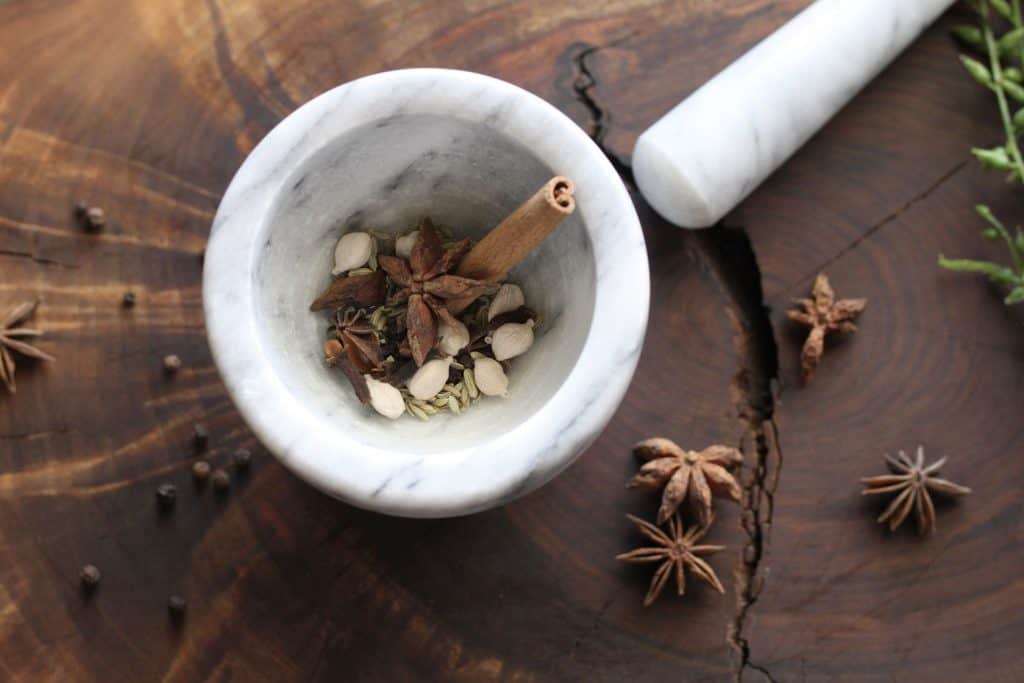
(359, 339)
(677, 551)
(366, 290)
(823, 314)
(915, 483)
(424, 285)
(11, 337)
(696, 475)
(355, 350)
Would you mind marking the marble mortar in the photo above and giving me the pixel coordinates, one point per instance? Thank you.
(380, 153)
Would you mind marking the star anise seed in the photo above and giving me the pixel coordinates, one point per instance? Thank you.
(823, 314)
(697, 475)
(677, 551)
(11, 336)
(424, 285)
(914, 483)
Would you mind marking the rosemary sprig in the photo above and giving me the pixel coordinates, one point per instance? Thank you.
(1005, 82)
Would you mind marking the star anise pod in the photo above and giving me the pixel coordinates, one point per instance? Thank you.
(365, 291)
(11, 336)
(677, 551)
(915, 483)
(356, 349)
(359, 339)
(424, 285)
(696, 475)
(823, 314)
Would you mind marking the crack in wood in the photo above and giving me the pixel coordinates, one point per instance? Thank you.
(889, 218)
(730, 255)
(758, 507)
(38, 259)
(761, 670)
(600, 117)
(732, 260)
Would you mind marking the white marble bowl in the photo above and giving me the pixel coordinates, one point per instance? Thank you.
(382, 152)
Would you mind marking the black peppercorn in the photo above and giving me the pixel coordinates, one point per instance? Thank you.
(201, 470)
(242, 458)
(200, 437)
(128, 300)
(81, 207)
(95, 218)
(166, 495)
(176, 607)
(221, 481)
(89, 576)
(171, 364)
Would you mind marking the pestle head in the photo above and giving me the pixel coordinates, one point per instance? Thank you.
(709, 152)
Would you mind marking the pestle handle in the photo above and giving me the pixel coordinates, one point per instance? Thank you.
(704, 156)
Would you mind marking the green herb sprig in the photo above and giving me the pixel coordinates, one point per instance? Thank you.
(1003, 76)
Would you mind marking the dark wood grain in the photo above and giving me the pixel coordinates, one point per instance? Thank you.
(147, 108)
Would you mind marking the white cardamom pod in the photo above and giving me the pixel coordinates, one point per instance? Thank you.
(512, 339)
(489, 377)
(508, 298)
(353, 251)
(429, 379)
(454, 338)
(385, 399)
(404, 244)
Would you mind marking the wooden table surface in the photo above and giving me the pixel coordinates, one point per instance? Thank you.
(148, 107)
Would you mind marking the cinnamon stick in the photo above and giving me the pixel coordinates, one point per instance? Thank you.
(519, 234)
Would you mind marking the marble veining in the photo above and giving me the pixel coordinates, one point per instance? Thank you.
(704, 156)
(379, 153)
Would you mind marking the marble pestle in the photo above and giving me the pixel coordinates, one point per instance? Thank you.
(704, 156)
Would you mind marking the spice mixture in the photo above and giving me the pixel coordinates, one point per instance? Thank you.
(412, 337)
